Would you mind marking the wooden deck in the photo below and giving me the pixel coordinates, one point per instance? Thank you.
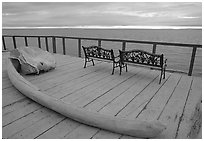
(135, 94)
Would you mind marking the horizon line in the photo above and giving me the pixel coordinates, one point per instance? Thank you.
(108, 27)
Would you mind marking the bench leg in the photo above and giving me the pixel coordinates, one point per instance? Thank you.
(160, 76)
(120, 68)
(164, 74)
(85, 63)
(126, 67)
(164, 69)
(113, 68)
(92, 62)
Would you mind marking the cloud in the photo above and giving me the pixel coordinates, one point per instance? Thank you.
(8, 14)
(103, 13)
(185, 17)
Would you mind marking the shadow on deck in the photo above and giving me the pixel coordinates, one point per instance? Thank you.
(135, 94)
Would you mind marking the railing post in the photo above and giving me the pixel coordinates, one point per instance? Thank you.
(54, 44)
(79, 47)
(46, 43)
(63, 44)
(154, 48)
(123, 46)
(192, 61)
(39, 43)
(4, 45)
(26, 41)
(14, 42)
(99, 43)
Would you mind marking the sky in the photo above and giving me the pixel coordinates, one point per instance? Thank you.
(46, 14)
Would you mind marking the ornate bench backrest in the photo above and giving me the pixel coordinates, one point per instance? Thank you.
(98, 52)
(141, 57)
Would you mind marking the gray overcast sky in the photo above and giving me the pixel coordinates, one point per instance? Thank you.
(101, 14)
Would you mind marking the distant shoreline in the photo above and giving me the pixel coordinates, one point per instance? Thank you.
(109, 27)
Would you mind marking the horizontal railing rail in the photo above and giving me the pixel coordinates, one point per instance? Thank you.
(124, 42)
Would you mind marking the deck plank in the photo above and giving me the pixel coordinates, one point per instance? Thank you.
(79, 89)
(194, 98)
(6, 83)
(118, 104)
(61, 66)
(4, 73)
(10, 96)
(153, 107)
(110, 84)
(103, 134)
(173, 110)
(58, 72)
(82, 132)
(100, 102)
(142, 99)
(87, 89)
(57, 79)
(115, 106)
(80, 80)
(20, 112)
(12, 107)
(20, 125)
(39, 127)
(60, 130)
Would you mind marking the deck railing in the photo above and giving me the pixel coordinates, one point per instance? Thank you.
(99, 40)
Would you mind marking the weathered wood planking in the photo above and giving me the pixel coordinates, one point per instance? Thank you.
(118, 104)
(25, 121)
(156, 100)
(172, 112)
(58, 71)
(60, 130)
(141, 102)
(82, 132)
(68, 76)
(61, 67)
(103, 86)
(71, 84)
(39, 127)
(194, 99)
(115, 106)
(23, 118)
(11, 95)
(60, 76)
(19, 112)
(6, 83)
(103, 134)
(76, 90)
(102, 90)
(142, 99)
(109, 96)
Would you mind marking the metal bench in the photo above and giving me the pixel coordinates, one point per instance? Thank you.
(141, 57)
(99, 53)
